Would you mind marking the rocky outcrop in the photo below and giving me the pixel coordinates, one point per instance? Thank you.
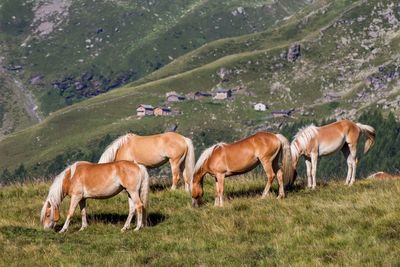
(293, 53)
(88, 84)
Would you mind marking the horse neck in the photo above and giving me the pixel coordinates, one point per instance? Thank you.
(296, 153)
(197, 183)
(57, 192)
(198, 176)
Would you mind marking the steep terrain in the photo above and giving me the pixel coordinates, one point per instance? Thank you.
(65, 51)
(333, 59)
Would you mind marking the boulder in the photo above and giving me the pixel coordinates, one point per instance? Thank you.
(294, 53)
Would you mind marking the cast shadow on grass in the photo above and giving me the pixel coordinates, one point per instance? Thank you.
(156, 187)
(238, 193)
(165, 186)
(257, 192)
(153, 218)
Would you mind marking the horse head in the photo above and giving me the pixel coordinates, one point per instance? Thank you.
(50, 215)
(197, 189)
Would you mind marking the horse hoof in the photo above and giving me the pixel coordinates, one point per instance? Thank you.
(124, 229)
(173, 187)
(82, 228)
(62, 231)
(137, 228)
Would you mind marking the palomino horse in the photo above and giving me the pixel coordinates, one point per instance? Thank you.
(313, 142)
(222, 160)
(153, 151)
(84, 180)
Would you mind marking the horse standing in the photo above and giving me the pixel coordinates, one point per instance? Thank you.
(312, 142)
(84, 180)
(223, 160)
(153, 151)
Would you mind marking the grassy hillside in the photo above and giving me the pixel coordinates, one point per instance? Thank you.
(333, 225)
(67, 51)
(333, 61)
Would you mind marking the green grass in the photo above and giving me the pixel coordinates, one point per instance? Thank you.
(333, 225)
(257, 67)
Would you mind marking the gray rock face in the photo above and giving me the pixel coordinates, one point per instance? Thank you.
(293, 53)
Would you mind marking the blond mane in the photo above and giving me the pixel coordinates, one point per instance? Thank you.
(205, 155)
(111, 150)
(303, 138)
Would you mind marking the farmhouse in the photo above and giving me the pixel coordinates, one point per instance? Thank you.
(201, 95)
(260, 107)
(223, 94)
(144, 110)
(174, 97)
(282, 113)
(162, 111)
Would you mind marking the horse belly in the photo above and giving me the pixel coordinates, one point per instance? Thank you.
(152, 161)
(327, 148)
(242, 166)
(103, 190)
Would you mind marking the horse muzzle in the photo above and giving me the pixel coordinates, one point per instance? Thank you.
(196, 202)
(49, 226)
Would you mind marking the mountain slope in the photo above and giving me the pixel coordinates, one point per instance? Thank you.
(65, 51)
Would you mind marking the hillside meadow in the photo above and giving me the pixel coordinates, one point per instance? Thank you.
(333, 225)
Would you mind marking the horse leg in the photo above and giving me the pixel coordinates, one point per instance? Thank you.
(267, 165)
(279, 175)
(139, 213)
(186, 176)
(353, 160)
(219, 185)
(127, 224)
(308, 165)
(72, 206)
(346, 154)
(82, 205)
(314, 162)
(175, 172)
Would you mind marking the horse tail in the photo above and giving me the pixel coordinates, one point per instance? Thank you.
(189, 162)
(144, 190)
(111, 150)
(287, 167)
(369, 131)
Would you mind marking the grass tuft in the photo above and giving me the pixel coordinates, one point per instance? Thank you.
(333, 225)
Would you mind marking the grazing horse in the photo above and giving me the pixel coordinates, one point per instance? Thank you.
(84, 180)
(223, 160)
(153, 151)
(312, 142)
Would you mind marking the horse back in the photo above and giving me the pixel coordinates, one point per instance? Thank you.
(244, 154)
(152, 150)
(103, 180)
